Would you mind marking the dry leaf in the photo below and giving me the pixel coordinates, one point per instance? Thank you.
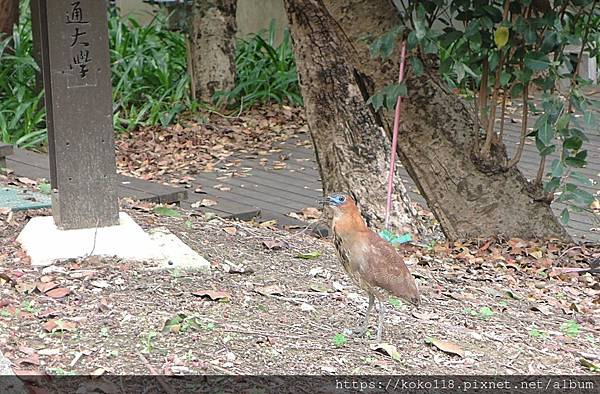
(269, 290)
(273, 244)
(27, 181)
(448, 347)
(311, 213)
(212, 295)
(59, 292)
(268, 223)
(59, 325)
(25, 288)
(43, 287)
(230, 230)
(388, 349)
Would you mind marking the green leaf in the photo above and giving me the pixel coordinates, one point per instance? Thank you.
(339, 340)
(501, 36)
(552, 185)
(309, 255)
(583, 196)
(575, 162)
(573, 143)
(557, 168)
(581, 179)
(376, 100)
(536, 61)
(44, 188)
(564, 216)
(166, 211)
(416, 65)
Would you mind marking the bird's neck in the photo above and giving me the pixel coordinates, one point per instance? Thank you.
(348, 222)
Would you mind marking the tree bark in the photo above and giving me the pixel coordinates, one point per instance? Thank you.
(213, 29)
(470, 197)
(9, 16)
(352, 150)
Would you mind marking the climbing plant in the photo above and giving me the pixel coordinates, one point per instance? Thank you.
(496, 51)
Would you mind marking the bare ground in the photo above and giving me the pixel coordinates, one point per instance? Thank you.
(503, 307)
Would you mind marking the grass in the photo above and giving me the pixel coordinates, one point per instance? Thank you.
(266, 72)
(149, 77)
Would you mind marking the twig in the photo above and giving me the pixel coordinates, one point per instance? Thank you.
(266, 334)
(580, 56)
(159, 378)
(95, 236)
(521, 146)
(540, 173)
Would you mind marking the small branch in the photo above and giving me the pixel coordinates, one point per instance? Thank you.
(521, 146)
(483, 92)
(503, 113)
(540, 173)
(580, 56)
(487, 145)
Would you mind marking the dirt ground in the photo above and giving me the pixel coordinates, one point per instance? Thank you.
(488, 308)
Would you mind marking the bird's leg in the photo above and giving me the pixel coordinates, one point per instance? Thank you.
(381, 316)
(363, 328)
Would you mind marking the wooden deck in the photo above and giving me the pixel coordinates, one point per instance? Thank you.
(35, 166)
(257, 188)
(277, 192)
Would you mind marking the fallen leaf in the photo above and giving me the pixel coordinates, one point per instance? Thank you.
(545, 310)
(25, 288)
(102, 284)
(59, 325)
(268, 223)
(273, 244)
(309, 255)
(388, 349)
(230, 230)
(59, 292)
(166, 211)
(311, 213)
(46, 279)
(269, 290)
(27, 181)
(319, 287)
(33, 359)
(307, 307)
(49, 352)
(447, 347)
(589, 364)
(207, 202)
(212, 295)
(47, 286)
(98, 372)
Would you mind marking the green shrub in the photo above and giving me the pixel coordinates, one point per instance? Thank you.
(266, 72)
(149, 75)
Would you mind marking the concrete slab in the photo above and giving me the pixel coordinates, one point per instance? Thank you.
(46, 244)
(178, 254)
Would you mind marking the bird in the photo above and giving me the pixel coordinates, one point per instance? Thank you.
(369, 260)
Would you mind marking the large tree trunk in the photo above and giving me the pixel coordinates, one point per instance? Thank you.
(213, 29)
(9, 16)
(469, 196)
(352, 149)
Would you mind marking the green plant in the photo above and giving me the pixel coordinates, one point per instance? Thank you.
(148, 341)
(266, 72)
(21, 106)
(149, 75)
(149, 72)
(570, 328)
(339, 340)
(495, 49)
(29, 306)
(535, 333)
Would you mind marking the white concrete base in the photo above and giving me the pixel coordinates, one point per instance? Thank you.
(179, 255)
(46, 244)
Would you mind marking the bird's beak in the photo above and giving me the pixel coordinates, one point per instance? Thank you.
(324, 200)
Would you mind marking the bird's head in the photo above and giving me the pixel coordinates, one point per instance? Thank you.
(339, 202)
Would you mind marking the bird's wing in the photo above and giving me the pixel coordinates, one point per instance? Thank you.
(386, 269)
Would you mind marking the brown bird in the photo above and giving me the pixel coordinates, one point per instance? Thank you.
(370, 261)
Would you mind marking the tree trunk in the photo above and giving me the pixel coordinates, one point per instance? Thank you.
(9, 16)
(352, 150)
(213, 29)
(469, 196)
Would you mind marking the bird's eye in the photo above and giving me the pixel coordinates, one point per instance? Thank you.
(342, 199)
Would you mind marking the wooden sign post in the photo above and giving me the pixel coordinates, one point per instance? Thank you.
(72, 48)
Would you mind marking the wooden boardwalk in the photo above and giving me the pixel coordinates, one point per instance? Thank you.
(260, 187)
(35, 166)
(277, 192)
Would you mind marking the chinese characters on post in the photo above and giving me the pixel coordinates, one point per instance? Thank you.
(80, 46)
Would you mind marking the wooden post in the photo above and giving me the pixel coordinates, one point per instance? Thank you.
(73, 43)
